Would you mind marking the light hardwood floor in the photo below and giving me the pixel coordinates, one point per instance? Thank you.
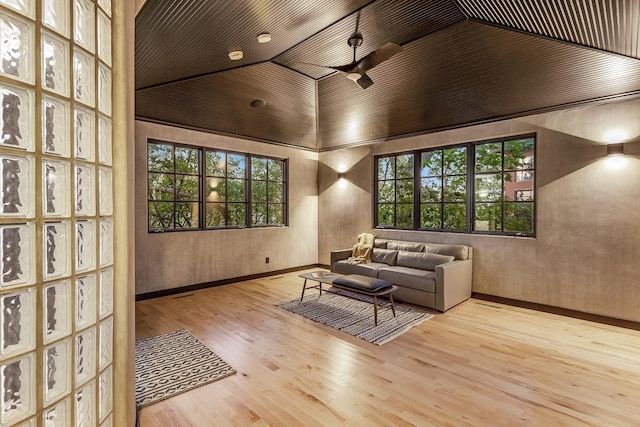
(479, 364)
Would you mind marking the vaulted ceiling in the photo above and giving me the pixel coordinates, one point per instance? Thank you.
(463, 62)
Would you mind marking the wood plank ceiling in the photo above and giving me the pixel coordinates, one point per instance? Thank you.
(464, 62)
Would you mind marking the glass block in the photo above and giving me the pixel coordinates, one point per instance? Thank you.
(104, 89)
(106, 292)
(56, 136)
(84, 136)
(18, 188)
(29, 423)
(55, 188)
(57, 250)
(108, 422)
(56, 311)
(104, 37)
(85, 189)
(18, 255)
(106, 242)
(17, 48)
(59, 415)
(17, 117)
(17, 323)
(85, 245)
(57, 371)
(84, 80)
(106, 393)
(56, 75)
(106, 342)
(85, 301)
(105, 185)
(104, 141)
(55, 15)
(84, 31)
(106, 6)
(85, 366)
(18, 389)
(85, 406)
(25, 7)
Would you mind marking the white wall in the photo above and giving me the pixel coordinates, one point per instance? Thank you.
(171, 260)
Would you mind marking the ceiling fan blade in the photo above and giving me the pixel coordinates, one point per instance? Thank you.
(378, 56)
(364, 81)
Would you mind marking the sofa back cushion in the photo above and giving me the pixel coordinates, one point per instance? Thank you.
(384, 256)
(380, 243)
(457, 251)
(422, 260)
(398, 245)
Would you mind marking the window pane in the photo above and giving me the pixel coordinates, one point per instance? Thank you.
(276, 172)
(518, 154)
(216, 163)
(259, 214)
(455, 189)
(236, 191)
(215, 215)
(386, 191)
(488, 217)
(160, 157)
(216, 190)
(258, 191)
(430, 216)
(386, 215)
(404, 191)
(160, 215)
(236, 214)
(488, 188)
(518, 190)
(455, 161)
(187, 160)
(275, 192)
(235, 166)
(186, 215)
(431, 190)
(404, 215)
(276, 214)
(518, 217)
(404, 166)
(161, 186)
(259, 168)
(489, 157)
(385, 168)
(431, 163)
(187, 187)
(455, 216)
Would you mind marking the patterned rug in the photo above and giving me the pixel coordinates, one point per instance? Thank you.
(355, 316)
(172, 363)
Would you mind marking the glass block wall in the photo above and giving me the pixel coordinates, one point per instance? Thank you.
(56, 219)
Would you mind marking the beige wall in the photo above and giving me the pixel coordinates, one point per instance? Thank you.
(171, 260)
(587, 246)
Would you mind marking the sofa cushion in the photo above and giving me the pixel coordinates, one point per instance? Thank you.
(405, 246)
(367, 269)
(384, 256)
(422, 280)
(421, 260)
(458, 251)
(380, 243)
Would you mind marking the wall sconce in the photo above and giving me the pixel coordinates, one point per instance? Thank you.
(615, 149)
(340, 175)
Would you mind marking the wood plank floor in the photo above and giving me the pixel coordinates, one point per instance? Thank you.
(479, 364)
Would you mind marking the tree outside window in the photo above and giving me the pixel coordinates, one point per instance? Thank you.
(395, 191)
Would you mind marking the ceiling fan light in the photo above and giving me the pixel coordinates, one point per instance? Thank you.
(354, 76)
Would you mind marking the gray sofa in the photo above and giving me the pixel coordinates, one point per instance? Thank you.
(432, 275)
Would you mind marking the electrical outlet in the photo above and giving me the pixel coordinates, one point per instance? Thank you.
(266, 260)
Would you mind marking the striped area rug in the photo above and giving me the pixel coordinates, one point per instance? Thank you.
(355, 316)
(172, 363)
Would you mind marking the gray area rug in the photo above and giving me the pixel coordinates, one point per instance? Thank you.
(172, 363)
(355, 316)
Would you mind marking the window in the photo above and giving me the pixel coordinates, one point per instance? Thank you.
(229, 190)
(484, 187)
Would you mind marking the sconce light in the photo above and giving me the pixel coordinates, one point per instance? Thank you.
(340, 175)
(615, 149)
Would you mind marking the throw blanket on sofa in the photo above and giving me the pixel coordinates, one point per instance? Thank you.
(362, 250)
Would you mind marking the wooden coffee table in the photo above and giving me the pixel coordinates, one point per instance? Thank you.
(322, 277)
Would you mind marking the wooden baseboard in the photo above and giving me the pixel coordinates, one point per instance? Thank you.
(190, 288)
(560, 311)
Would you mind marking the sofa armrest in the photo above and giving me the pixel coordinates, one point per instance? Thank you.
(453, 283)
(339, 255)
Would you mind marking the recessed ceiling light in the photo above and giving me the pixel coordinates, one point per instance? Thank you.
(264, 38)
(258, 103)
(236, 55)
